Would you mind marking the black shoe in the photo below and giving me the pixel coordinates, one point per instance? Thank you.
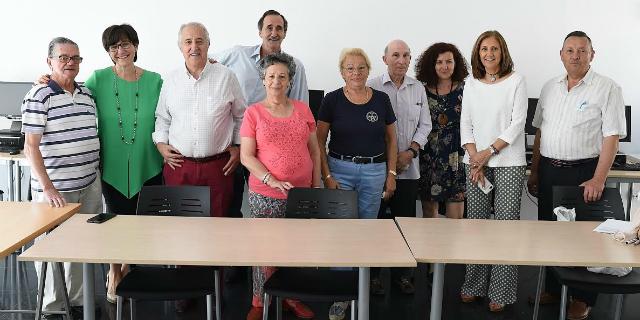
(52, 317)
(406, 286)
(77, 312)
(376, 287)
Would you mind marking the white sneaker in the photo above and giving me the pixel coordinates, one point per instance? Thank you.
(338, 310)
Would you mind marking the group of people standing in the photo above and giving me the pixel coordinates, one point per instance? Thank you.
(391, 138)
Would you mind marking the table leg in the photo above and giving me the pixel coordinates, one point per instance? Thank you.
(629, 199)
(436, 291)
(88, 294)
(10, 185)
(18, 189)
(363, 293)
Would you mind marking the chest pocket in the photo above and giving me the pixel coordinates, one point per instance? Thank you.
(589, 117)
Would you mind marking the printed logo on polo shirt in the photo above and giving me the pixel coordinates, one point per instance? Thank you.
(372, 116)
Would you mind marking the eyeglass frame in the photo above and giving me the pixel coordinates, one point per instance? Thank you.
(65, 58)
(125, 45)
(360, 69)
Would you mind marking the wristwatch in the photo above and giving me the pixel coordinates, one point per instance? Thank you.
(493, 150)
(415, 153)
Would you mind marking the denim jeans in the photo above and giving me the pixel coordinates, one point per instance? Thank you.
(367, 179)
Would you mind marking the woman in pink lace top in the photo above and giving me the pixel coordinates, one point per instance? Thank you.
(280, 149)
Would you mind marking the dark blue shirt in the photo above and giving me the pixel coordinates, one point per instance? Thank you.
(357, 130)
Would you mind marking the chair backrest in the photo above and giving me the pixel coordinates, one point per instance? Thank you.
(322, 203)
(608, 207)
(188, 201)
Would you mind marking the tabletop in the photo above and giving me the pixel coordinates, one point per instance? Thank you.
(24, 221)
(516, 242)
(226, 242)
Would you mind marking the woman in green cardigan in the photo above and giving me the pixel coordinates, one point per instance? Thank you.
(126, 97)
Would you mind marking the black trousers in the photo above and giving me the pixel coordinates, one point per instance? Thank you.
(118, 203)
(549, 176)
(240, 177)
(402, 204)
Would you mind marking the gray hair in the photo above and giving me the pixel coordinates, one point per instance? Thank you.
(197, 25)
(58, 41)
(277, 58)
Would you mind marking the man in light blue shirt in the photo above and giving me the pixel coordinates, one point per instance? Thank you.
(243, 60)
(409, 101)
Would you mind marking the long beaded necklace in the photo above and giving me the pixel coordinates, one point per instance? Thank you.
(443, 119)
(119, 109)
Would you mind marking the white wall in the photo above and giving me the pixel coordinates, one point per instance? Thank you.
(319, 29)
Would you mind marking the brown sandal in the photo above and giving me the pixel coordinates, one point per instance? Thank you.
(495, 307)
(467, 298)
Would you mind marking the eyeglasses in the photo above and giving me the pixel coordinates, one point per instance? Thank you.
(124, 45)
(66, 59)
(353, 70)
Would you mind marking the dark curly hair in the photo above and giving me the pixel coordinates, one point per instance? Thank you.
(425, 65)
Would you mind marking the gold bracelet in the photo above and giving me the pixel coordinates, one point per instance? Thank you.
(395, 174)
(328, 176)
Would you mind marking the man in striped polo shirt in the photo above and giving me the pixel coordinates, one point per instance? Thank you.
(62, 146)
(580, 116)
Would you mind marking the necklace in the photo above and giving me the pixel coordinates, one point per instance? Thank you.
(493, 76)
(352, 99)
(119, 109)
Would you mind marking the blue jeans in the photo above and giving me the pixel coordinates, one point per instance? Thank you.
(367, 179)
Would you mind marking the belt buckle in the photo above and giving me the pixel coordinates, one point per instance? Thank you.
(354, 159)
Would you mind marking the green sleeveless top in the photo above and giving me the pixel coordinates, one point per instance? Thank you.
(126, 166)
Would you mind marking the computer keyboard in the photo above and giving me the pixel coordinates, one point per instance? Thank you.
(628, 167)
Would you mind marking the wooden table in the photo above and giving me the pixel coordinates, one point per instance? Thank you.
(23, 222)
(518, 242)
(226, 242)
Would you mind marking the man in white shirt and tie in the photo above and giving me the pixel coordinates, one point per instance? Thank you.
(580, 118)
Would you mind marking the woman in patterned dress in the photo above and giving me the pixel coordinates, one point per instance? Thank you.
(443, 69)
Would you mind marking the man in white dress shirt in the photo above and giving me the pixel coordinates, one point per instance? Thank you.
(198, 119)
(580, 118)
(409, 101)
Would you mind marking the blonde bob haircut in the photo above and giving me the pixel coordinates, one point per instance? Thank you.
(353, 52)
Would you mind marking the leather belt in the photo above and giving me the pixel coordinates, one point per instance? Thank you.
(569, 163)
(359, 159)
(209, 158)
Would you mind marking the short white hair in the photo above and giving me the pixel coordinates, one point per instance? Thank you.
(193, 24)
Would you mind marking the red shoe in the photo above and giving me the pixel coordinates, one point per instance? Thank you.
(255, 313)
(298, 308)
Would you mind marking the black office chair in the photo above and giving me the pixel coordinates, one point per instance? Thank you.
(608, 207)
(162, 283)
(311, 284)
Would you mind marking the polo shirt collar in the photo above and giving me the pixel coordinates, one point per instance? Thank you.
(55, 87)
(255, 55)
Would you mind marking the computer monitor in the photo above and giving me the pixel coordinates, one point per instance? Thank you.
(11, 96)
(529, 129)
